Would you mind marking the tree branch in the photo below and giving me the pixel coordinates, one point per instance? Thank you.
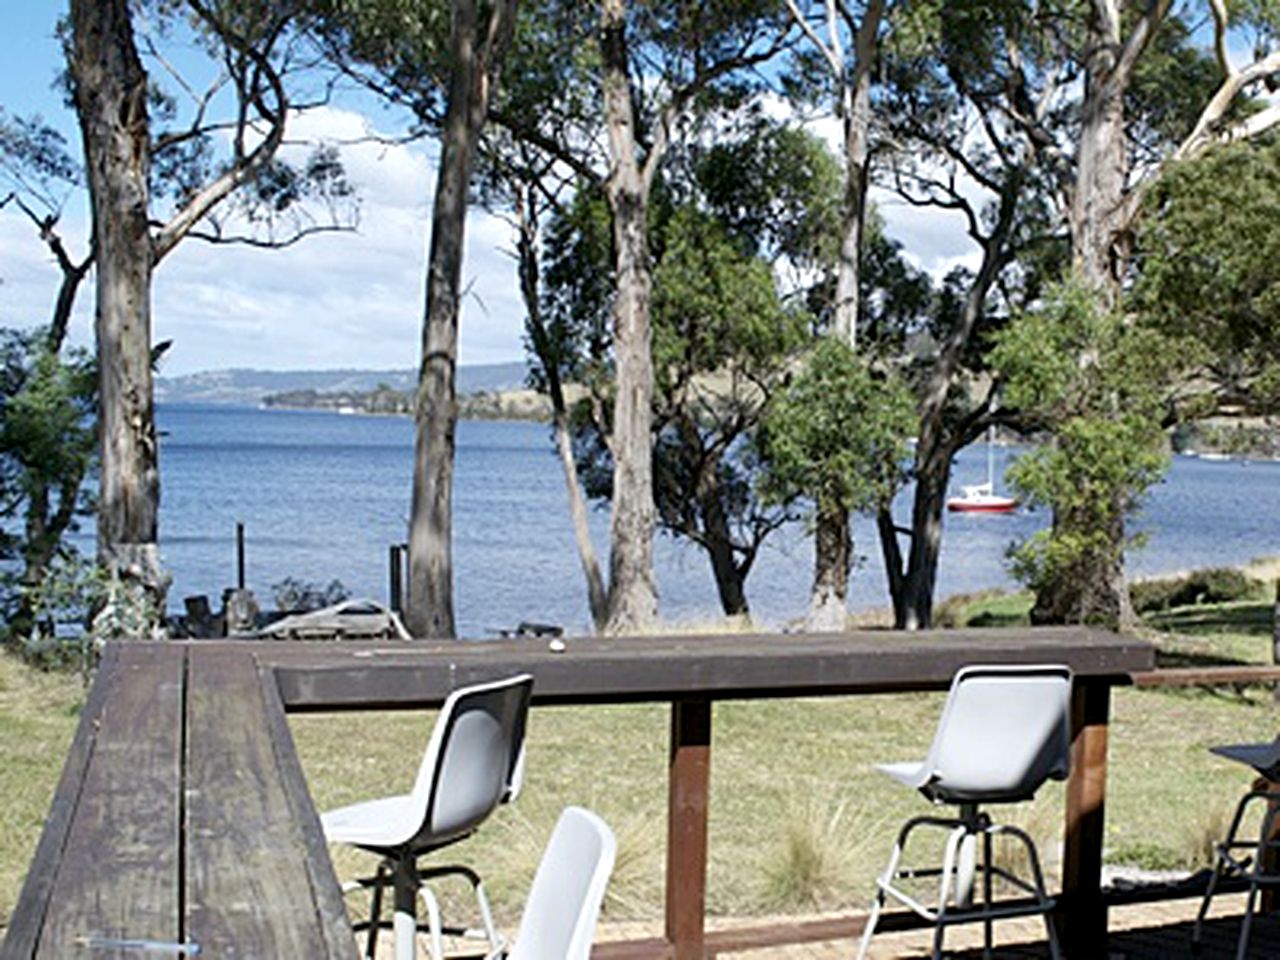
(184, 221)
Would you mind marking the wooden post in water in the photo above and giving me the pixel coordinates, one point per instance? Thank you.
(396, 592)
(239, 554)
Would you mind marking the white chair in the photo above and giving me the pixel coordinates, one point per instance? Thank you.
(1003, 732)
(559, 919)
(473, 762)
(1255, 860)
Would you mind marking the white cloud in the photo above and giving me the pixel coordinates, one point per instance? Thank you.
(351, 300)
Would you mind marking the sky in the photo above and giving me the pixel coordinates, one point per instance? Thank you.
(352, 300)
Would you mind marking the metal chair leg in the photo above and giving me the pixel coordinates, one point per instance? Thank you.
(434, 926)
(375, 912)
(864, 943)
(987, 924)
(405, 923)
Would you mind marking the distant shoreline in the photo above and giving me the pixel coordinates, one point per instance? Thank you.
(522, 405)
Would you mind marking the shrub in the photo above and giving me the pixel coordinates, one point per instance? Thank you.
(1211, 585)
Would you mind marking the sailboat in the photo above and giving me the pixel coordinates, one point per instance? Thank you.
(982, 497)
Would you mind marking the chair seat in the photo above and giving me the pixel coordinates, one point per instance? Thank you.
(909, 773)
(381, 824)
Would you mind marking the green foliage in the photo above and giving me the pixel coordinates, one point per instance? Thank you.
(1097, 384)
(838, 432)
(1209, 265)
(47, 444)
(714, 309)
(1212, 585)
(777, 191)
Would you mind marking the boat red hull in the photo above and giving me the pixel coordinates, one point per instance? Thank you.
(959, 506)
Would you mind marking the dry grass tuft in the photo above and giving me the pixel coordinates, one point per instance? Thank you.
(811, 865)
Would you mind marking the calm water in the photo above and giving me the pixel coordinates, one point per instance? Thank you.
(322, 496)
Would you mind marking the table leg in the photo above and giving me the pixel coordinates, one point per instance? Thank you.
(1083, 914)
(687, 801)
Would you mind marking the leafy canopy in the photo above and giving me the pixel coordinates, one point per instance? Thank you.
(838, 433)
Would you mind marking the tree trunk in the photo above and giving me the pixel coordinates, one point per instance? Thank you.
(548, 355)
(926, 543)
(833, 552)
(110, 89)
(633, 593)
(891, 551)
(718, 540)
(831, 574)
(855, 111)
(1095, 590)
(597, 599)
(1098, 201)
(430, 599)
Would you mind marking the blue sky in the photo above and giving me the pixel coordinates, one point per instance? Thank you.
(350, 300)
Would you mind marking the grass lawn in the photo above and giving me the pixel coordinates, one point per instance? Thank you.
(800, 820)
(38, 715)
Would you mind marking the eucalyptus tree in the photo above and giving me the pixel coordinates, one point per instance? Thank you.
(663, 57)
(128, 170)
(837, 433)
(1207, 272)
(845, 41)
(542, 152)
(723, 217)
(1107, 420)
(967, 88)
(442, 62)
(1104, 186)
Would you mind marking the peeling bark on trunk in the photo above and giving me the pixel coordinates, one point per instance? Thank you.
(633, 592)
(430, 596)
(110, 89)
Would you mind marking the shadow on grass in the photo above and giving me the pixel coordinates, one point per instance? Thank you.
(1247, 619)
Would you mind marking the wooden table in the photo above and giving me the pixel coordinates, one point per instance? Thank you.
(182, 816)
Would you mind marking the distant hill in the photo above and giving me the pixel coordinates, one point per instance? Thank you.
(248, 387)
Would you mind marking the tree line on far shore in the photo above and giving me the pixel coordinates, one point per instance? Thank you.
(748, 346)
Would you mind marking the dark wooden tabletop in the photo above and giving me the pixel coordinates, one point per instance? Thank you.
(182, 818)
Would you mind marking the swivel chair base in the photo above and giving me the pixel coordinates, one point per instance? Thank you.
(957, 876)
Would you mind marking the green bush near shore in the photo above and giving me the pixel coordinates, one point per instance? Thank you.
(800, 820)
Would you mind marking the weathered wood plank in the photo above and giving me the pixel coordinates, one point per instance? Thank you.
(367, 676)
(28, 916)
(1206, 676)
(331, 910)
(248, 892)
(118, 876)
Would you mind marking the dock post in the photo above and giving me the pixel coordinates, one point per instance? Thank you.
(239, 554)
(396, 592)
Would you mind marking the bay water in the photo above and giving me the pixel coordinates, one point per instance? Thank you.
(323, 496)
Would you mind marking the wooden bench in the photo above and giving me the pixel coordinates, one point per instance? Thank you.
(182, 816)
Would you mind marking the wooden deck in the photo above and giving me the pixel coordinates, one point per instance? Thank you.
(182, 820)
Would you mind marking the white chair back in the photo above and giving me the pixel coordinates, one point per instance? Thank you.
(472, 758)
(559, 919)
(1003, 732)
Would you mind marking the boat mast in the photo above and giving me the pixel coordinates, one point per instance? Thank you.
(991, 461)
